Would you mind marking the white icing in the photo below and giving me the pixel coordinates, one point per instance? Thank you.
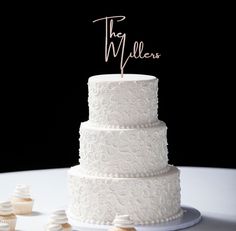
(54, 227)
(22, 191)
(147, 200)
(59, 217)
(123, 221)
(123, 156)
(117, 78)
(128, 101)
(4, 227)
(124, 175)
(136, 126)
(123, 152)
(6, 208)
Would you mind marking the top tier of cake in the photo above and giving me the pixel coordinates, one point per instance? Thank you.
(129, 101)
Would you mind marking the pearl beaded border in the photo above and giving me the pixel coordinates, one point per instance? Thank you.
(137, 126)
(128, 175)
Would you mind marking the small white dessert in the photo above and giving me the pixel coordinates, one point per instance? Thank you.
(123, 223)
(60, 217)
(6, 215)
(21, 200)
(54, 227)
(4, 227)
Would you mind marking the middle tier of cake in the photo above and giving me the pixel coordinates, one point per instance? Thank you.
(136, 152)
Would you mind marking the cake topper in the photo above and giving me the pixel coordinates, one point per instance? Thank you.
(138, 46)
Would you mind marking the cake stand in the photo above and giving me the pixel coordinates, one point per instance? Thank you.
(191, 216)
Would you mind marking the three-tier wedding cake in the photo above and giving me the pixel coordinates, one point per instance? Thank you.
(123, 156)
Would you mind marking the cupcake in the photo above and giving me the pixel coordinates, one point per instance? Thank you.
(7, 215)
(59, 217)
(21, 200)
(4, 227)
(123, 223)
(54, 227)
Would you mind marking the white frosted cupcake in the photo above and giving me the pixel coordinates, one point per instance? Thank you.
(123, 223)
(4, 227)
(21, 200)
(60, 217)
(54, 227)
(6, 214)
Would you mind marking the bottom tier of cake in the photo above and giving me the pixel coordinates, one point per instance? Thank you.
(148, 200)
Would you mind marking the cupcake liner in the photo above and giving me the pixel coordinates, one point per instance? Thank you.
(67, 227)
(21, 208)
(10, 222)
(122, 229)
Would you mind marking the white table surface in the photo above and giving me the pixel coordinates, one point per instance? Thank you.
(210, 190)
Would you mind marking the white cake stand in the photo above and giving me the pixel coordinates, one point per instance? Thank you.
(190, 217)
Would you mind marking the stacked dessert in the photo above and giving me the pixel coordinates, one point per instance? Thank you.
(123, 156)
(21, 200)
(123, 223)
(6, 215)
(59, 217)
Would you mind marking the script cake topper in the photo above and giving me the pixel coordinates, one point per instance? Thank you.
(138, 46)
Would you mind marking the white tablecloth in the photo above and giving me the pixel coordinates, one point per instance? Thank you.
(210, 190)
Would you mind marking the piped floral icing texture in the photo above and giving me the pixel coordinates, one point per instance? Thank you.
(123, 156)
(123, 152)
(125, 103)
(147, 200)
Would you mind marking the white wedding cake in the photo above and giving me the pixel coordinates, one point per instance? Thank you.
(123, 156)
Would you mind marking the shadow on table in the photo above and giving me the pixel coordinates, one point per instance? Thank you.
(215, 224)
(33, 214)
